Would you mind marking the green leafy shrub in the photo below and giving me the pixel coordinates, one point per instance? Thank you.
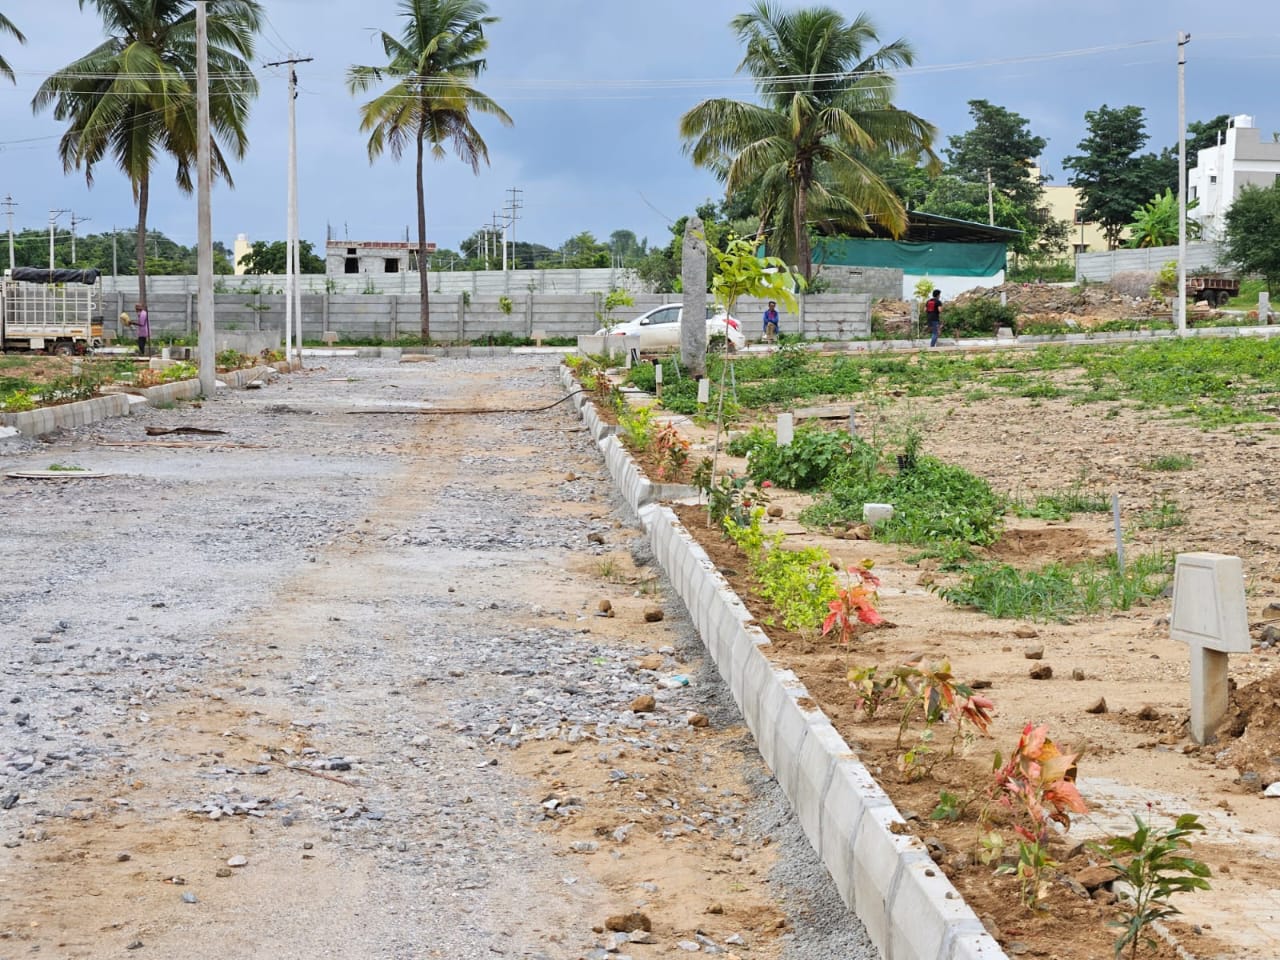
(800, 584)
(635, 428)
(978, 318)
(933, 501)
(802, 465)
(17, 401)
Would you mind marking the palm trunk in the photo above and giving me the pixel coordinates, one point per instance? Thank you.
(424, 288)
(802, 230)
(141, 249)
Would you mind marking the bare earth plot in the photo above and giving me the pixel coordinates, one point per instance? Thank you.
(335, 685)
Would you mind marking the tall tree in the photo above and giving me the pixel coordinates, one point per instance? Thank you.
(432, 65)
(6, 26)
(1001, 145)
(1112, 178)
(270, 257)
(809, 143)
(134, 94)
(1252, 235)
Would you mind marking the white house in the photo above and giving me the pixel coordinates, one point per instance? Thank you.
(1241, 158)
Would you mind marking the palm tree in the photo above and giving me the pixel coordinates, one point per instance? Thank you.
(827, 107)
(432, 64)
(6, 26)
(134, 95)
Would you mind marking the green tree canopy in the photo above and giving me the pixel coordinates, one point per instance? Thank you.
(432, 66)
(1001, 144)
(134, 96)
(1252, 233)
(808, 144)
(6, 26)
(1112, 177)
(270, 257)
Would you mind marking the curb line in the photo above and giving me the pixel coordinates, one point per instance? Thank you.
(910, 909)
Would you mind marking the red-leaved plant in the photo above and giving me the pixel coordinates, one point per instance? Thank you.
(854, 604)
(1037, 782)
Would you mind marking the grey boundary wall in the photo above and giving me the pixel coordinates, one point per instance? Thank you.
(35, 423)
(910, 909)
(1105, 264)
(455, 318)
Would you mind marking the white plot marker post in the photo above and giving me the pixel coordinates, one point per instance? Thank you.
(1209, 616)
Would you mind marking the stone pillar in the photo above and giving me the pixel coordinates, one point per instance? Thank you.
(693, 280)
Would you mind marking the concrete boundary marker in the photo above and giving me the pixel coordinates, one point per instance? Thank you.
(910, 909)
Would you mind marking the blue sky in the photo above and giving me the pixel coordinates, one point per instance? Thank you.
(596, 90)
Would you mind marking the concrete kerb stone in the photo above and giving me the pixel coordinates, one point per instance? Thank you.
(910, 909)
(35, 423)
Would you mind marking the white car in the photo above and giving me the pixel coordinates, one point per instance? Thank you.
(659, 328)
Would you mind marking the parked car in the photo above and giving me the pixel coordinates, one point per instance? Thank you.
(659, 328)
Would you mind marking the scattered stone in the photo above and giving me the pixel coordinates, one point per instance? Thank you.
(716, 908)
(123, 857)
(1041, 672)
(1272, 792)
(643, 704)
(1077, 673)
(651, 662)
(640, 936)
(699, 720)
(653, 614)
(1148, 712)
(1091, 878)
(135, 945)
(605, 607)
(1100, 706)
(627, 922)
(980, 685)
(990, 925)
(238, 861)
(1026, 633)
(570, 477)
(775, 511)
(1270, 634)
(688, 946)
(735, 940)
(595, 538)
(1034, 653)
(189, 897)
(223, 872)
(584, 846)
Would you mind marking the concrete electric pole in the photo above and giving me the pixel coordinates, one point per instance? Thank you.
(74, 222)
(1180, 295)
(204, 188)
(293, 299)
(9, 205)
(53, 219)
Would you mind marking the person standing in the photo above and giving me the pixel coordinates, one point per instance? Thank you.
(143, 324)
(771, 320)
(933, 313)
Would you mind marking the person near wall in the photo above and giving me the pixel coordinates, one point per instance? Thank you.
(771, 321)
(933, 313)
(143, 325)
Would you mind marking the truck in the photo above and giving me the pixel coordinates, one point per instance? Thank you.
(1213, 290)
(53, 311)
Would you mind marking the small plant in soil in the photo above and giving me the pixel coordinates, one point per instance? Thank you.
(1170, 462)
(1034, 870)
(854, 605)
(672, 451)
(1152, 865)
(1037, 784)
(636, 428)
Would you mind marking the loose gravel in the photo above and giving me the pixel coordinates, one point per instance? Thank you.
(294, 667)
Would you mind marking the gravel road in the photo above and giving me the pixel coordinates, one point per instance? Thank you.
(335, 683)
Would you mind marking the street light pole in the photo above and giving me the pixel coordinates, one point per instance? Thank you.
(204, 189)
(1180, 295)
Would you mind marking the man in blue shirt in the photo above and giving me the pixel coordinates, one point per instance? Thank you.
(771, 320)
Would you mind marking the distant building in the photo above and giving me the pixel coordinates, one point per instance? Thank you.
(355, 257)
(1240, 159)
(1065, 203)
(240, 251)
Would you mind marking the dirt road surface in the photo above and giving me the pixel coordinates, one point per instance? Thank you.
(336, 684)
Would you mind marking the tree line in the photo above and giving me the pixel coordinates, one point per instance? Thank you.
(823, 150)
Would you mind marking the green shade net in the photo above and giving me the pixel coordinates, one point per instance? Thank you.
(917, 259)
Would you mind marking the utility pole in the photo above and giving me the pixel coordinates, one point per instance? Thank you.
(991, 203)
(501, 233)
(204, 188)
(53, 217)
(74, 221)
(1180, 295)
(9, 205)
(293, 343)
(115, 265)
(513, 211)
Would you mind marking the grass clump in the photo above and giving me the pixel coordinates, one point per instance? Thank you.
(1059, 590)
(804, 464)
(1170, 462)
(1062, 504)
(934, 502)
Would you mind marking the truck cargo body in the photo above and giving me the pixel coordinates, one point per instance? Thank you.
(54, 311)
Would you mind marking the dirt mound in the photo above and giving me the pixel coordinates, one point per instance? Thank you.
(1097, 302)
(1250, 734)
(1062, 544)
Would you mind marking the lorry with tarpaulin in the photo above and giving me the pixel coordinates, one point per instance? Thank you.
(51, 311)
